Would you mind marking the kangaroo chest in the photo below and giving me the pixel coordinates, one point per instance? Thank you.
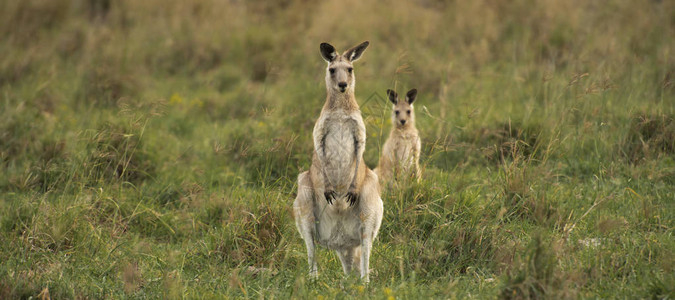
(403, 149)
(340, 149)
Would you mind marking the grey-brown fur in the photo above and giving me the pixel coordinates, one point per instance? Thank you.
(401, 152)
(338, 204)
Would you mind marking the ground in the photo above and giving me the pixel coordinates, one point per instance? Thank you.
(149, 149)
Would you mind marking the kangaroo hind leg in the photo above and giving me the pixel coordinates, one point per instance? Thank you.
(371, 218)
(303, 211)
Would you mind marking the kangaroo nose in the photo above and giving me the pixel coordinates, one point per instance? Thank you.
(342, 85)
(402, 122)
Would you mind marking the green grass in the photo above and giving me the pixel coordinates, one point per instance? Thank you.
(150, 149)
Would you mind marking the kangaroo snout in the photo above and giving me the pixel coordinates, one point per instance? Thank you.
(402, 122)
(342, 86)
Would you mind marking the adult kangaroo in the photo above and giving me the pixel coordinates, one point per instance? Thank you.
(338, 205)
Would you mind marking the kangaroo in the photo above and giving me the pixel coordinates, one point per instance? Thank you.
(338, 205)
(401, 151)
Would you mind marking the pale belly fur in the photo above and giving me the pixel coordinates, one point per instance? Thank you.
(339, 157)
(404, 154)
(338, 230)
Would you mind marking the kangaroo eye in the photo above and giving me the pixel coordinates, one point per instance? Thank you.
(408, 111)
(397, 112)
(332, 70)
(350, 70)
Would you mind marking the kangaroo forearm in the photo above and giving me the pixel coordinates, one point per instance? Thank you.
(359, 132)
(356, 172)
(319, 135)
(320, 146)
(327, 182)
(358, 152)
(326, 179)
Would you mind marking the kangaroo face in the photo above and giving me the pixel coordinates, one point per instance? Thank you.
(403, 114)
(340, 72)
(340, 75)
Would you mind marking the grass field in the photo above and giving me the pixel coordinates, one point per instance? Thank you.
(149, 149)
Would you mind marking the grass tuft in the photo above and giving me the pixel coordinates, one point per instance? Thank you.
(649, 136)
(119, 154)
(536, 275)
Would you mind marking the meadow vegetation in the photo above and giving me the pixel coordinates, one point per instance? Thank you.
(149, 149)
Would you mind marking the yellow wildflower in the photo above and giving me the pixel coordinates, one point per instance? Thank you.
(175, 99)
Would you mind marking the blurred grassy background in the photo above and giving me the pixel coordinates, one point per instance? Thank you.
(150, 148)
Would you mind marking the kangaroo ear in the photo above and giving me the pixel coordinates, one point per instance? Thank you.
(354, 54)
(411, 95)
(393, 97)
(328, 52)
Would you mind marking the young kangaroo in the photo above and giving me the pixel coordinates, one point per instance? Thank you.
(338, 204)
(401, 151)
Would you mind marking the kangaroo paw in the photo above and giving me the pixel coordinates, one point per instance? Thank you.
(330, 196)
(352, 197)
